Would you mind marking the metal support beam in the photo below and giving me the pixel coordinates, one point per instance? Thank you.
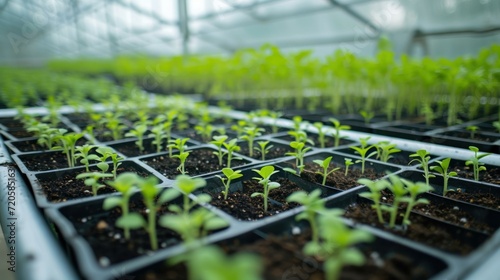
(184, 25)
(347, 9)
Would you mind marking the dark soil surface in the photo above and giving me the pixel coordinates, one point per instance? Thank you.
(11, 123)
(276, 151)
(32, 146)
(46, 161)
(20, 133)
(199, 161)
(282, 258)
(63, 187)
(483, 199)
(243, 207)
(491, 175)
(338, 179)
(466, 135)
(422, 230)
(130, 149)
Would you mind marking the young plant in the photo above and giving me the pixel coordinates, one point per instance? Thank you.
(265, 180)
(313, 204)
(159, 134)
(205, 131)
(385, 150)
(239, 128)
(367, 116)
(182, 157)
(114, 124)
(423, 157)
(274, 123)
(83, 152)
(250, 132)
(68, 145)
(336, 247)
(108, 153)
(125, 183)
(230, 175)
(472, 129)
(325, 164)
(263, 149)
(321, 133)
(338, 127)
(92, 180)
(347, 162)
(396, 186)
(186, 185)
(475, 162)
(178, 144)
(219, 142)
(231, 147)
(138, 132)
(48, 138)
(442, 169)
(375, 193)
(362, 152)
(414, 189)
(496, 125)
(300, 151)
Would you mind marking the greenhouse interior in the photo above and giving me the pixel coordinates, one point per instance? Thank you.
(234, 139)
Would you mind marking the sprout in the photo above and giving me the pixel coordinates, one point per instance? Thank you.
(300, 151)
(476, 164)
(219, 142)
(325, 164)
(396, 186)
(414, 189)
(68, 143)
(250, 133)
(92, 180)
(362, 151)
(313, 204)
(442, 169)
(159, 134)
(231, 147)
(422, 156)
(107, 152)
(376, 188)
(321, 133)
(179, 144)
(385, 150)
(182, 157)
(230, 175)
(138, 132)
(338, 128)
(265, 180)
(263, 148)
(347, 162)
(205, 131)
(367, 116)
(472, 129)
(84, 153)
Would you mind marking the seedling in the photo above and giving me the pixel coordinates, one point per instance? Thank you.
(422, 157)
(274, 124)
(159, 134)
(313, 204)
(396, 186)
(263, 149)
(367, 116)
(325, 164)
(92, 180)
(250, 132)
(48, 138)
(205, 131)
(300, 151)
(363, 151)
(472, 129)
(83, 152)
(265, 180)
(347, 162)
(239, 128)
(210, 263)
(114, 124)
(89, 130)
(338, 127)
(186, 185)
(442, 169)
(496, 125)
(385, 150)
(231, 147)
(475, 162)
(138, 132)
(178, 144)
(376, 188)
(125, 183)
(414, 189)
(68, 143)
(219, 142)
(182, 157)
(230, 175)
(321, 133)
(107, 152)
(300, 136)
(336, 247)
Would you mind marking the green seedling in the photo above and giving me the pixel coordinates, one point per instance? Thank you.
(338, 127)
(321, 133)
(193, 225)
(231, 147)
(385, 150)
(300, 136)
(239, 128)
(414, 189)
(442, 169)
(362, 152)
(205, 131)
(300, 151)
(49, 137)
(138, 132)
(178, 144)
(336, 246)
(125, 183)
(149, 191)
(274, 123)
(250, 133)
(313, 205)
(92, 180)
(211, 263)
(423, 157)
(159, 134)
(182, 158)
(472, 129)
(375, 193)
(83, 152)
(347, 162)
(68, 145)
(219, 142)
(367, 116)
(230, 175)
(108, 153)
(325, 164)
(496, 125)
(263, 149)
(114, 124)
(265, 180)
(396, 186)
(475, 162)
(89, 130)
(186, 185)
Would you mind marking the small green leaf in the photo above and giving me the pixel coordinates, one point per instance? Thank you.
(131, 221)
(111, 202)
